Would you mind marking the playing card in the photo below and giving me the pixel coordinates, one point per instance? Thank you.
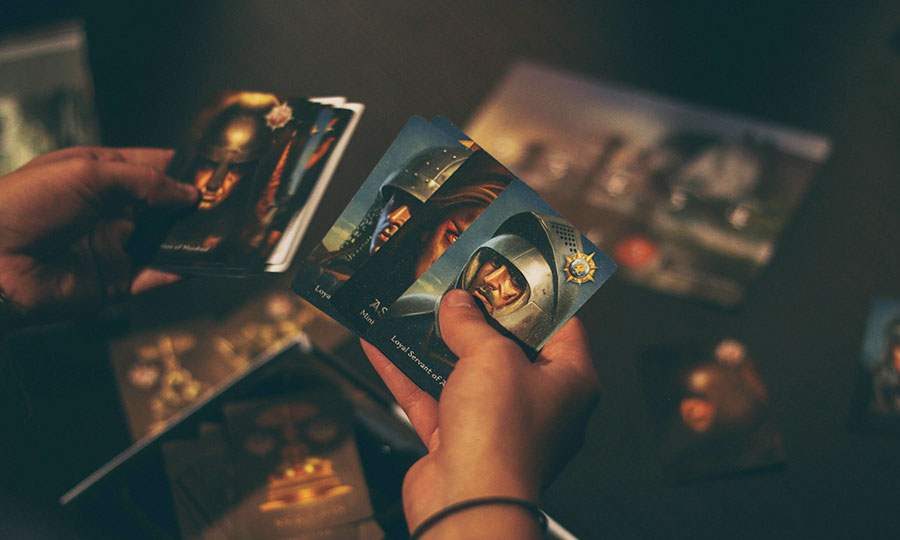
(269, 322)
(711, 410)
(877, 404)
(528, 269)
(261, 163)
(422, 239)
(201, 479)
(397, 186)
(297, 466)
(447, 126)
(240, 152)
(161, 372)
(324, 150)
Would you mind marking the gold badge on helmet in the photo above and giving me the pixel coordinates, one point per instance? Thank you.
(580, 267)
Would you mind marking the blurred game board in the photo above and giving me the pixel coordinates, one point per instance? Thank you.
(685, 200)
(164, 371)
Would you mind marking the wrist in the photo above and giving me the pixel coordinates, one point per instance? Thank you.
(486, 518)
(489, 483)
(491, 475)
(437, 482)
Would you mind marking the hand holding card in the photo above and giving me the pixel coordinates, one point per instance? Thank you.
(506, 425)
(467, 223)
(528, 269)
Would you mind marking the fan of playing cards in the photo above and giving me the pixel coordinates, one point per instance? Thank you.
(439, 213)
(261, 163)
(436, 213)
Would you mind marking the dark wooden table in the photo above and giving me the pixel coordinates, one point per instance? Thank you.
(825, 68)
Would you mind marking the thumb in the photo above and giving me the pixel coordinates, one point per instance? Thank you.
(467, 333)
(147, 279)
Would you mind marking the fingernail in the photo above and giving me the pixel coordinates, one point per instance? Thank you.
(459, 298)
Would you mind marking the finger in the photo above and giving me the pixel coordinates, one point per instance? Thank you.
(114, 266)
(571, 390)
(468, 334)
(420, 407)
(158, 158)
(566, 359)
(568, 347)
(139, 182)
(96, 153)
(147, 279)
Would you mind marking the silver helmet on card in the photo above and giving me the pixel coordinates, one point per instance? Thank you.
(523, 274)
(425, 172)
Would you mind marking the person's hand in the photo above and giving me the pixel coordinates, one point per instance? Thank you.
(65, 221)
(504, 426)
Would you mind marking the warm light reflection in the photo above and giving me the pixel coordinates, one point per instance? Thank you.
(699, 380)
(238, 136)
(251, 99)
(211, 194)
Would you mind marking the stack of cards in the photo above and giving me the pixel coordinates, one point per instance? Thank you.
(261, 163)
(282, 468)
(439, 213)
(163, 371)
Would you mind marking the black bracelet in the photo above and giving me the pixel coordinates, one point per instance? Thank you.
(462, 505)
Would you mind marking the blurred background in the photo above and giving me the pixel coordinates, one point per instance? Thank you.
(826, 68)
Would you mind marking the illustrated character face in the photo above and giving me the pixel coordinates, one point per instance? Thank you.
(215, 185)
(410, 186)
(444, 234)
(497, 284)
(718, 396)
(516, 275)
(697, 413)
(231, 146)
(395, 213)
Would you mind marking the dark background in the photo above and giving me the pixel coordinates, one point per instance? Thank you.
(830, 67)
